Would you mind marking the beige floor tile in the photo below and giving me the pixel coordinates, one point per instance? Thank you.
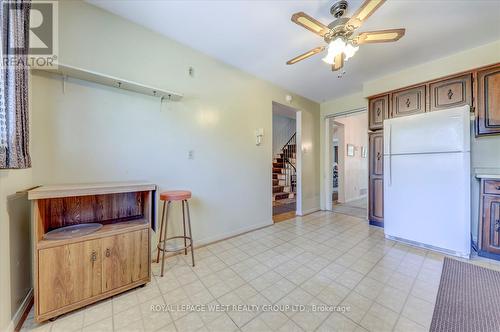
(189, 322)
(379, 318)
(369, 287)
(392, 298)
(105, 325)
(419, 311)
(97, 312)
(336, 322)
(125, 318)
(71, 322)
(406, 325)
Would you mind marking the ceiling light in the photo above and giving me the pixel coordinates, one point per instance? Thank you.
(350, 50)
(338, 46)
(335, 47)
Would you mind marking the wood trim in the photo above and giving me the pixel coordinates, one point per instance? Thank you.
(86, 189)
(26, 311)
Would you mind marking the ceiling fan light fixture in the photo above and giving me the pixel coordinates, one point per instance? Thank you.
(335, 47)
(350, 50)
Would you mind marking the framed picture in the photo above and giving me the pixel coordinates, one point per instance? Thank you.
(363, 151)
(350, 150)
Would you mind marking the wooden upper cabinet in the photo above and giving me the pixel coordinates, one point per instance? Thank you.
(451, 92)
(69, 274)
(488, 101)
(378, 110)
(408, 102)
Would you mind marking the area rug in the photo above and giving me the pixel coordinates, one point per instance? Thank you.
(468, 299)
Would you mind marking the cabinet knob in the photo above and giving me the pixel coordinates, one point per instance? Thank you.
(378, 155)
(450, 94)
(93, 256)
(497, 187)
(408, 102)
(378, 111)
(108, 252)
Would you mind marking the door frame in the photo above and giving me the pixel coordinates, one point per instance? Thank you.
(298, 157)
(328, 171)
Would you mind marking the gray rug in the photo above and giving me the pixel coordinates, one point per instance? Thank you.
(468, 299)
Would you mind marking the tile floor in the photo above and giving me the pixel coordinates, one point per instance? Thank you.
(323, 259)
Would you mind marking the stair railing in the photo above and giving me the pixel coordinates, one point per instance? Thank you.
(288, 150)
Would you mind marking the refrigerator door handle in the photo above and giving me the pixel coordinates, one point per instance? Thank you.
(389, 137)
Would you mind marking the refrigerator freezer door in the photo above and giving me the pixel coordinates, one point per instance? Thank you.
(435, 132)
(427, 200)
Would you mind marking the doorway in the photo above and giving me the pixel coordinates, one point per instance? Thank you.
(347, 163)
(285, 162)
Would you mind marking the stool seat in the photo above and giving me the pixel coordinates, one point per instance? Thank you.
(175, 195)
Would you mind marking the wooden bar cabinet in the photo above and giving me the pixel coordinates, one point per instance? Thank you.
(72, 272)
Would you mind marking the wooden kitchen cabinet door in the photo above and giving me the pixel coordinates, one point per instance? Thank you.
(68, 274)
(452, 92)
(376, 143)
(376, 201)
(408, 102)
(488, 101)
(378, 110)
(376, 179)
(491, 224)
(125, 259)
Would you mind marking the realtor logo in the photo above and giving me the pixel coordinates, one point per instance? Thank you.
(42, 50)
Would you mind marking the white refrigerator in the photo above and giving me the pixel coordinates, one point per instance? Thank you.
(427, 180)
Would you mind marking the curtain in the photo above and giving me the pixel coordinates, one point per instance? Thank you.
(14, 122)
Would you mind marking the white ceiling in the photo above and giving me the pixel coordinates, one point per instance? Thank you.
(258, 36)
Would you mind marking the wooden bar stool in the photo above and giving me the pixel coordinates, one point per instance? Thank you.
(168, 197)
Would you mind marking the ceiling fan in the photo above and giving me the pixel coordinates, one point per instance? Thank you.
(342, 45)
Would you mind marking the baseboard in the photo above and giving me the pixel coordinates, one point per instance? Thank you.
(20, 316)
(218, 238)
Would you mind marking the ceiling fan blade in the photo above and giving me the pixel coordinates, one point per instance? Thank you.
(305, 55)
(338, 62)
(366, 9)
(380, 36)
(310, 23)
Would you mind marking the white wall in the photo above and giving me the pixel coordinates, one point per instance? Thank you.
(354, 169)
(283, 129)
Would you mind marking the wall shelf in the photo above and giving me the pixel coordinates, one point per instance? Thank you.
(92, 76)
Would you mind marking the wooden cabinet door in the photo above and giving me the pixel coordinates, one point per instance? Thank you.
(408, 102)
(376, 201)
(378, 110)
(491, 224)
(452, 92)
(68, 274)
(376, 143)
(376, 179)
(488, 101)
(125, 259)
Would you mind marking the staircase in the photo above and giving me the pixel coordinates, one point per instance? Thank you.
(284, 172)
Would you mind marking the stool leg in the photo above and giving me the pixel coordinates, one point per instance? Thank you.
(161, 232)
(190, 232)
(164, 240)
(184, 227)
